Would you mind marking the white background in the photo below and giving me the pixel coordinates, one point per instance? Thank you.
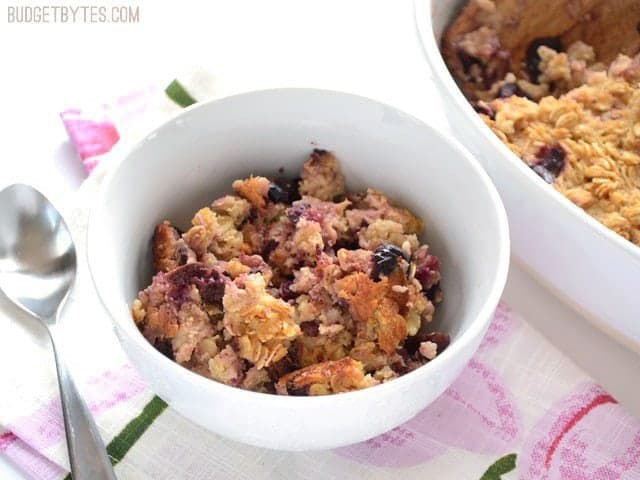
(369, 47)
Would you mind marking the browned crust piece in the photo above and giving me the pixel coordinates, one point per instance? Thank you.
(253, 189)
(371, 305)
(324, 378)
(169, 250)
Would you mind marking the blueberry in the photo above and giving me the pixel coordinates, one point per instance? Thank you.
(485, 109)
(550, 162)
(286, 293)
(288, 187)
(277, 194)
(532, 57)
(510, 89)
(385, 259)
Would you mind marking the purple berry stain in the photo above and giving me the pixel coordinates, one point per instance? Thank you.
(209, 283)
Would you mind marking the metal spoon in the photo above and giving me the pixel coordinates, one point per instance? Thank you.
(37, 269)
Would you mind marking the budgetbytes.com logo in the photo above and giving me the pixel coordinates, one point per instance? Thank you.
(73, 14)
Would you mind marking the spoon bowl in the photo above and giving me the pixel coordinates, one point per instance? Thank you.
(37, 254)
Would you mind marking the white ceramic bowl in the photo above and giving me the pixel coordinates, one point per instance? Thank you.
(192, 159)
(580, 260)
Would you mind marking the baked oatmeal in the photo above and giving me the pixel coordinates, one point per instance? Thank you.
(295, 288)
(573, 119)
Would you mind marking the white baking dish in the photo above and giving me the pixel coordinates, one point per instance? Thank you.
(584, 263)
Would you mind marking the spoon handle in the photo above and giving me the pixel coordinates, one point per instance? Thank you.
(87, 454)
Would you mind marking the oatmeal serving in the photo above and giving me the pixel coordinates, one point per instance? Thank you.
(574, 119)
(295, 287)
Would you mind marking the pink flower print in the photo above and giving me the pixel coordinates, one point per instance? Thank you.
(586, 436)
(7, 439)
(91, 133)
(476, 413)
(502, 326)
(44, 427)
(400, 447)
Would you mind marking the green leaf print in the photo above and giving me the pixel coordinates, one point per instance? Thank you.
(176, 92)
(500, 467)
